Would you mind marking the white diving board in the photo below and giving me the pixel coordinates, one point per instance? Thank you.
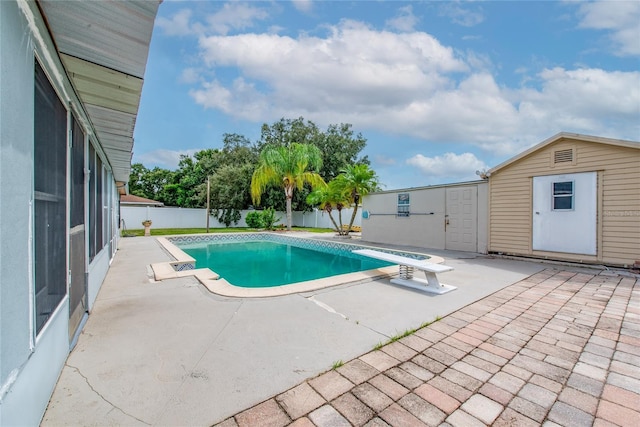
(407, 266)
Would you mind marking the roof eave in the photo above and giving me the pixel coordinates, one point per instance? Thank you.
(104, 47)
(564, 135)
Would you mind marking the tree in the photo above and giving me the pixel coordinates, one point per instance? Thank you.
(339, 148)
(230, 192)
(327, 198)
(150, 183)
(238, 150)
(184, 188)
(357, 181)
(136, 179)
(207, 162)
(287, 131)
(288, 166)
(338, 144)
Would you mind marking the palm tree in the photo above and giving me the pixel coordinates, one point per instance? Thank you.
(327, 198)
(357, 181)
(289, 166)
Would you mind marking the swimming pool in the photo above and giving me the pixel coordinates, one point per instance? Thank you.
(269, 264)
(266, 263)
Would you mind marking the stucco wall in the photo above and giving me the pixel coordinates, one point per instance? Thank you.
(16, 156)
(28, 370)
(424, 228)
(29, 365)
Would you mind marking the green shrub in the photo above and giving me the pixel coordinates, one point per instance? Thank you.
(269, 218)
(254, 219)
(262, 219)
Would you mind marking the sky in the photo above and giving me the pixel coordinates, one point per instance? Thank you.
(439, 89)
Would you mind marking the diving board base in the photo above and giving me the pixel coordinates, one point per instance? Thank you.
(423, 285)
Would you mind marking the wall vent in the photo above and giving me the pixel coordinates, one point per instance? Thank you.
(562, 156)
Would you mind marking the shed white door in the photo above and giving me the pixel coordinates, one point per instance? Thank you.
(461, 220)
(564, 213)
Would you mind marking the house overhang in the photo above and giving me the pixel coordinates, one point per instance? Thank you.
(104, 46)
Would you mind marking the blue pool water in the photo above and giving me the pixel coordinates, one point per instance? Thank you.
(263, 263)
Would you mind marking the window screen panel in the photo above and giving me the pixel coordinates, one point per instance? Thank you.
(77, 175)
(99, 205)
(50, 168)
(92, 203)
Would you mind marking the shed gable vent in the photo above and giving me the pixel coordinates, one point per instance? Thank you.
(562, 156)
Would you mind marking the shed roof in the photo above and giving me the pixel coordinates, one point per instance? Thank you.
(130, 199)
(561, 136)
(104, 46)
(429, 187)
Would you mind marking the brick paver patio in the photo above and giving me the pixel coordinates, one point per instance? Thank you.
(558, 348)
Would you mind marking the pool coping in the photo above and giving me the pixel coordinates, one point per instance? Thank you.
(182, 265)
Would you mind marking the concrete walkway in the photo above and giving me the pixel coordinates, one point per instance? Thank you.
(559, 346)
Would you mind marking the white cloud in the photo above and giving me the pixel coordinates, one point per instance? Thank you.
(476, 111)
(178, 25)
(591, 101)
(478, 61)
(241, 100)
(166, 159)
(459, 166)
(405, 21)
(621, 18)
(355, 68)
(592, 92)
(410, 84)
(303, 5)
(190, 75)
(234, 16)
(464, 16)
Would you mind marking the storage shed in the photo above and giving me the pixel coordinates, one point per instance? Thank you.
(572, 197)
(447, 216)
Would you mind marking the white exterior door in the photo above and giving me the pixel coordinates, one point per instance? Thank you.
(565, 213)
(461, 219)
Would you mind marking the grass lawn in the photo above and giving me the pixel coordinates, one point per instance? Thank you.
(171, 231)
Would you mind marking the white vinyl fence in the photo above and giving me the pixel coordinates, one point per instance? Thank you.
(173, 217)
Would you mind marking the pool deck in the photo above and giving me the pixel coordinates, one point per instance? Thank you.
(519, 343)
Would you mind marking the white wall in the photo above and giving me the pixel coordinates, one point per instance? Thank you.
(483, 218)
(425, 226)
(29, 365)
(173, 217)
(320, 219)
(97, 272)
(16, 189)
(26, 400)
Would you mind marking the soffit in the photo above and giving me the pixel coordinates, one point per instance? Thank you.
(103, 86)
(104, 46)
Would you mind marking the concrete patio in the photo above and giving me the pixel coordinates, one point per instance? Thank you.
(519, 343)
